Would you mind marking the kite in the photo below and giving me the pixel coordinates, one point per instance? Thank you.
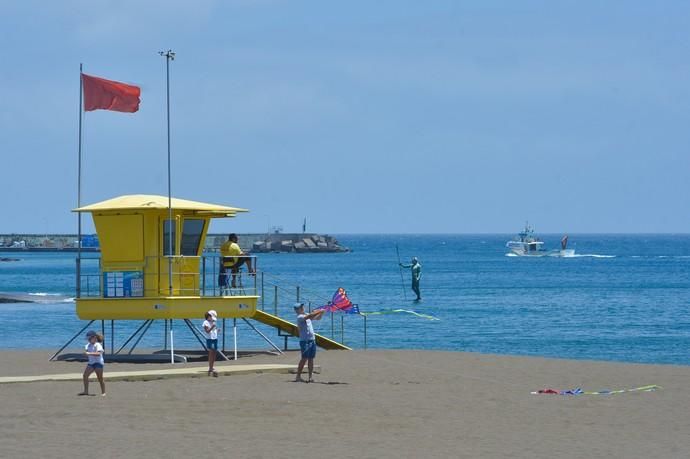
(578, 391)
(340, 302)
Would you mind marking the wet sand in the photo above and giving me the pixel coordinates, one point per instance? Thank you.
(364, 404)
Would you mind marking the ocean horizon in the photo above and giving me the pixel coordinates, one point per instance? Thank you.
(621, 297)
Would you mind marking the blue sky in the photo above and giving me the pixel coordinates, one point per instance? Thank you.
(365, 117)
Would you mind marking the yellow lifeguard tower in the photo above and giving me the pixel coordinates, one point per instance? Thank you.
(140, 278)
(153, 267)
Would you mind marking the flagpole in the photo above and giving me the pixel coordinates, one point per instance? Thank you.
(78, 295)
(169, 55)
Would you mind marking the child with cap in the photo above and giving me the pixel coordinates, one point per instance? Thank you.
(307, 342)
(94, 351)
(211, 332)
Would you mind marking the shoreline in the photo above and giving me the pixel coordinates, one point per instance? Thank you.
(19, 298)
(257, 353)
(363, 404)
(33, 351)
(265, 354)
(9, 300)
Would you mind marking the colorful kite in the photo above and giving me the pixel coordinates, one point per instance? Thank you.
(579, 391)
(340, 302)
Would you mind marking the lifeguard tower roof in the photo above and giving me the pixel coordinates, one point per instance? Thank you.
(156, 202)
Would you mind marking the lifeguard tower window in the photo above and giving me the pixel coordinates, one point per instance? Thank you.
(192, 230)
(166, 237)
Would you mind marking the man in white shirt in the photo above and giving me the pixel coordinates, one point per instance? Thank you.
(307, 342)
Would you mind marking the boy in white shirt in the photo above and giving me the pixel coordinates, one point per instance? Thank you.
(94, 350)
(211, 331)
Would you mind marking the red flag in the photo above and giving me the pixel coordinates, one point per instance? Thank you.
(100, 93)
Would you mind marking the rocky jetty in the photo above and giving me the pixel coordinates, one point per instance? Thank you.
(281, 242)
(300, 243)
(254, 242)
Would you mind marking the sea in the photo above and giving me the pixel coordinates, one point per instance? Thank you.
(619, 298)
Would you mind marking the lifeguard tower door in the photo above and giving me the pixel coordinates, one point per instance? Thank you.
(188, 236)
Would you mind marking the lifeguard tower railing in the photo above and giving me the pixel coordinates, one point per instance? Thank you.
(277, 295)
(207, 282)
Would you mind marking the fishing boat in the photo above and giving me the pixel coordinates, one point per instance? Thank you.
(526, 244)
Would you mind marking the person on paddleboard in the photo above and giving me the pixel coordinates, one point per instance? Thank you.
(416, 268)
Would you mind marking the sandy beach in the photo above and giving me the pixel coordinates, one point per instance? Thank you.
(369, 404)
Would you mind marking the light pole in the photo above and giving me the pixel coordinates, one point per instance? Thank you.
(169, 56)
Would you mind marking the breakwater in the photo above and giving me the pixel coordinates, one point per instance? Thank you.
(250, 242)
(281, 242)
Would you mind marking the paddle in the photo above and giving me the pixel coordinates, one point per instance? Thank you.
(402, 280)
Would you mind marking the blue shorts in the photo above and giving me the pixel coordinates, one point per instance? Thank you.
(212, 344)
(308, 349)
(95, 366)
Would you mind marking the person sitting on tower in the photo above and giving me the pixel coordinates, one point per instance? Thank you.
(233, 258)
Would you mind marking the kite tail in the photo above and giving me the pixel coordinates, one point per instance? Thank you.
(405, 311)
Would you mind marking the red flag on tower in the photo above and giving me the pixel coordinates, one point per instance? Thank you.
(103, 94)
